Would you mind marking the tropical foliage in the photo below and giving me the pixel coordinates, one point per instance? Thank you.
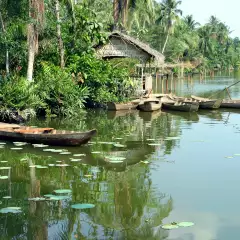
(59, 36)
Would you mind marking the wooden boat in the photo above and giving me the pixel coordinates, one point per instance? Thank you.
(206, 103)
(47, 136)
(120, 106)
(150, 105)
(227, 103)
(181, 106)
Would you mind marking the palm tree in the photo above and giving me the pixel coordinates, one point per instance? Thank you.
(191, 23)
(169, 16)
(205, 37)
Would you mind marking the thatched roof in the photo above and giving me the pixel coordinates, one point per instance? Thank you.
(140, 46)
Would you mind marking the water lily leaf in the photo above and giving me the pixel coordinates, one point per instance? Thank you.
(40, 145)
(32, 166)
(151, 139)
(51, 165)
(62, 165)
(58, 198)
(57, 150)
(19, 143)
(96, 152)
(236, 154)
(118, 138)
(36, 199)
(2, 143)
(5, 168)
(7, 197)
(48, 150)
(23, 159)
(111, 158)
(3, 177)
(76, 160)
(119, 145)
(11, 210)
(172, 138)
(229, 157)
(154, 144)
(111, 161)
(16, 148)
(49, 195)
(145, 162)
(3, 161)
(169, 226)
(39, 166)
(83, 206)
(59, 161)
(65, 153)
(88, 175)
(79, 155)
(108, 143)
(63, 191)
(185, 224)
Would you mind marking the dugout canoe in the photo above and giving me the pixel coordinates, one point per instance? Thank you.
(47, 136)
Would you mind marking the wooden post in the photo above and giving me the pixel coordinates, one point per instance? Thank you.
(228, 93)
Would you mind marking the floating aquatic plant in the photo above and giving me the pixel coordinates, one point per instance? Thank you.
(11, 210)
(83, 206)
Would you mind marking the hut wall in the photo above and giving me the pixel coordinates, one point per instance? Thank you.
(117, 47)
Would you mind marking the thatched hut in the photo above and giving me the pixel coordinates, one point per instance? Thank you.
(121, 45)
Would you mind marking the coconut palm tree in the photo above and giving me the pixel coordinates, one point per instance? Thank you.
(191, 23)
(169, 16)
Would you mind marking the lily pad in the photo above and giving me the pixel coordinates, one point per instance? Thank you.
(19, 143)
(83, 206)
(111, 161)
(48, 150)
(11, 210)
(111, 158)
(5, 168)
(151, 139)
(58, 198)
(88, 175)
(63, 191)
(3, 161)
(79, 155)
(7, 197)
(2, 143)
(51, 165)
(76, 160)
(40, 145)
(118, 138)
(236, 154)
(16, 148)
(145, 162)
(172, 138)
(229, 157)
(57, 150)
(169, 226)
(119, 145)
(185, 224)
(154, 144)
(36, 199)
(95, 152)
(62, 165)
(49, 195)
(39, 166)
(3, 177)
(65, 153)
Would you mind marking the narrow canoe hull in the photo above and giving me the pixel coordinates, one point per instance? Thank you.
(183, 107)
(230, 103)
(111, 106)
(206, 103)
(60, 138)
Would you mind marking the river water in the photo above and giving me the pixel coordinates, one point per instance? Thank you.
(177, 167)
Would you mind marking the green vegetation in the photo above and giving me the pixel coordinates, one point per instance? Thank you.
(51, 43)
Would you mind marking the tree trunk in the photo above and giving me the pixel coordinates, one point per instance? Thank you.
(7, 52)
(31, 51)
(115, 13)
(59, 35)
(125, 13)
(165, 44)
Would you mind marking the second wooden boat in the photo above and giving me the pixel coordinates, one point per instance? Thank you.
(47, 136)
(181, 106)
(120, 106)
(227, 103)
(206, 103)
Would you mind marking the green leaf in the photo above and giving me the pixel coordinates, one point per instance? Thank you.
(185, 224)
(83, 206)
(63, 191)
(11, 210)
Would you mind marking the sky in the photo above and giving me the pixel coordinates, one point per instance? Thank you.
(225, 10)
